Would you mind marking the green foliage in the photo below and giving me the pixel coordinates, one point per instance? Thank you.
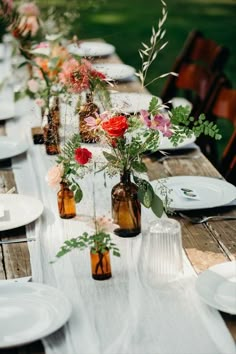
(71, 167)
(99, 242)
(185, 125)
(148, 197)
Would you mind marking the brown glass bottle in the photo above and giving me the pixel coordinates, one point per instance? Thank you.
(66, 202)
(126, 208)
(100, 265)
(87, 110)
(55, 110)
(51, 136)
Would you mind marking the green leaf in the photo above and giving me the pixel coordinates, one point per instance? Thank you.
(78, 194)
(109, 157)
(139, 166)
(157, 206)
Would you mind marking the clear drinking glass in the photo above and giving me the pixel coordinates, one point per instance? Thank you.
(162, 255)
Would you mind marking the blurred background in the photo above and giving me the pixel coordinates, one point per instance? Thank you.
(126, 24)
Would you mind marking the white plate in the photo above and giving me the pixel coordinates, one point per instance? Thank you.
(217, 287)
(212, 192)
(166, 144)
(130, 102)
(119, 72)
(7, 110)
(91, 49)
(10, 147)
(19, 210)
(30, 311)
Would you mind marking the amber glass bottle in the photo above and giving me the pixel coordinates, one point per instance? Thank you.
(55, 110)
(100, 265)
(126, 208)
(87, 110)
(51, 135)
(66, 202)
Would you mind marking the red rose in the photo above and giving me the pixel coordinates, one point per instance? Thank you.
(82, 155)
(115, 126)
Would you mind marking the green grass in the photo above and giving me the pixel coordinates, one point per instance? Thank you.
(127, 23)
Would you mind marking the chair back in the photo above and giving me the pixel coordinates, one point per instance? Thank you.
(222, 104)
(228, 162)
(197, 64)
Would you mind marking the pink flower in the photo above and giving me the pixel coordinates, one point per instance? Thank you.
(159, 122)
(33, 85)
(94, 122)
(29, 9)
(54, 175)
(75, 75)
(40, 102)
(103, 223)
(163, 124)
(82, 155)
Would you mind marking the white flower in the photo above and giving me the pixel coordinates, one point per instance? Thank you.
(33, 85)
(54, 175)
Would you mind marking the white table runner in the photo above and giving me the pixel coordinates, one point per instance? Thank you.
(123, 315)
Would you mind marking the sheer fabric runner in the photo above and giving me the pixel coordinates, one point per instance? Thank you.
(126, 314)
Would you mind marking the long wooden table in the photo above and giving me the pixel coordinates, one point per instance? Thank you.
(205, 244)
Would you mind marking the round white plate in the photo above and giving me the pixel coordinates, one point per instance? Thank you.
(166, 144)
(212, 192)
(91, 49)
(19, 210)
(130, 102)
(117, 72)
(217, 287)
(30, 311)
(7, 110)
(10, 147)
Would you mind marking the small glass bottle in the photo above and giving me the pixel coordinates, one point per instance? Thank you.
(126, 208)
(66, 202)
(89, 109)
(51, 135)
(100, 265)
(55, 110)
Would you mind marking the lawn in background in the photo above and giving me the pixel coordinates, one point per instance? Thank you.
(126, 24)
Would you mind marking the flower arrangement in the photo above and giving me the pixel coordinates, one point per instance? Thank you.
(24, 24)
(100, 244)
(99, 241)
(128, 138)
(78, 75)
(47, 60)
(71, 164)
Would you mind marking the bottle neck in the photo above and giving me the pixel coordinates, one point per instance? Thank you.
(64, 185)
(125, 177)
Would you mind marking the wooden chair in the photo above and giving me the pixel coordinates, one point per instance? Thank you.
(200, 51)
(228, 162)
(222, 104)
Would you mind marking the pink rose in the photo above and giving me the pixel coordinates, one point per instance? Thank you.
(33, 85)
(54, 175)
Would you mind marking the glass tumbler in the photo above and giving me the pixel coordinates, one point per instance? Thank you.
(162, 255)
